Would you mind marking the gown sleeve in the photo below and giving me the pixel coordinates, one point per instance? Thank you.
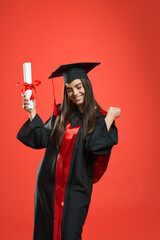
(101, 141)
(34, 133)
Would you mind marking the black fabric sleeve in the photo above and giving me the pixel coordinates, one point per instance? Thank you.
(101, 141)
(34, 133)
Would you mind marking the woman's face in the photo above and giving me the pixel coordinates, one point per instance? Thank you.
(76, 92)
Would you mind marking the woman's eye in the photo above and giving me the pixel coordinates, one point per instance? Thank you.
(78, 87)
(68, 90)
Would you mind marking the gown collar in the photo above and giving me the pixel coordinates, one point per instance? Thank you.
(77, 119)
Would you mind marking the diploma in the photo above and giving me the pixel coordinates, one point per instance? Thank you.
(28, 79)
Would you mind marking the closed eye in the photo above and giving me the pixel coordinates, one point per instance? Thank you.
(69, 90)
(79, 87)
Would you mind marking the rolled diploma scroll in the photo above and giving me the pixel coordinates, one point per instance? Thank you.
(28, 79)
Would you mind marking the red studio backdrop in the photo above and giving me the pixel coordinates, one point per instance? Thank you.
(124, 36)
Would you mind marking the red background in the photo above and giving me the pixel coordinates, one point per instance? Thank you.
(124, 36)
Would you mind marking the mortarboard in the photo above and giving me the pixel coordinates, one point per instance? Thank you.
(73, 71)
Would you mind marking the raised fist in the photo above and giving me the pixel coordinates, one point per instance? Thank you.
(114, 112)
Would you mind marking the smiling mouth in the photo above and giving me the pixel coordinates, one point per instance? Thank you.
(76, 99)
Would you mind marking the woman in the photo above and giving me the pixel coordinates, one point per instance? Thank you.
(78, 144)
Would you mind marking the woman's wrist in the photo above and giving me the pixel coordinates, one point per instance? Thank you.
(109, 120)
(32, 114)
(110, 116)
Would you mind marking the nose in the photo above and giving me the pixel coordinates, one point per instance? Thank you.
(75, 92)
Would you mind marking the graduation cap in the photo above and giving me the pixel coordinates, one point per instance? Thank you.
(70, 72)
(73, 71)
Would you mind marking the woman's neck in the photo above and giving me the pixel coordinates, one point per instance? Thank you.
(81, 108)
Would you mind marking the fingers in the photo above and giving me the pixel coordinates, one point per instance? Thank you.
(114, 112)
(25, 103)
(115, 109)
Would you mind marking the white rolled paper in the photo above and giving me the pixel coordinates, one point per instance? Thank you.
(28, 79)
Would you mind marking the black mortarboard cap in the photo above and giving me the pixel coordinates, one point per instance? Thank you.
(73, 71)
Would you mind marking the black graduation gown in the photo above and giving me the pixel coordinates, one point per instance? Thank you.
(78, 189)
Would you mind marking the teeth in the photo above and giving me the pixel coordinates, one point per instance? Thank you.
(77, 97)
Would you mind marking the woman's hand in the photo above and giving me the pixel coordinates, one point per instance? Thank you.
(112, 114)
(25, 104)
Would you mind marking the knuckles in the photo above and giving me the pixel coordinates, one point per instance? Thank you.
(114, 111)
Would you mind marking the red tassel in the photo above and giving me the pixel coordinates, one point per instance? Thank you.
(55, 109)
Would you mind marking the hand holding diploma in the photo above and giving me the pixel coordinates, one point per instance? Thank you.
(26, 104)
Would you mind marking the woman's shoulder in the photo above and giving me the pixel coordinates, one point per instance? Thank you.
(100, 113)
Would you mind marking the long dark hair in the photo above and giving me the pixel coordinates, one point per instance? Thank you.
(68, 109)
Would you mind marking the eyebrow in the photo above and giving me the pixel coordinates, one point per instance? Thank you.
(74, 86)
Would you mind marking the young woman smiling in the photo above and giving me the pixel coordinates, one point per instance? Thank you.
(78, 142)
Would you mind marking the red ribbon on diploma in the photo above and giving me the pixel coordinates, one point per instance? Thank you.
(27, 86)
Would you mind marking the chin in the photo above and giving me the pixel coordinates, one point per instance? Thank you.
(79, 103)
